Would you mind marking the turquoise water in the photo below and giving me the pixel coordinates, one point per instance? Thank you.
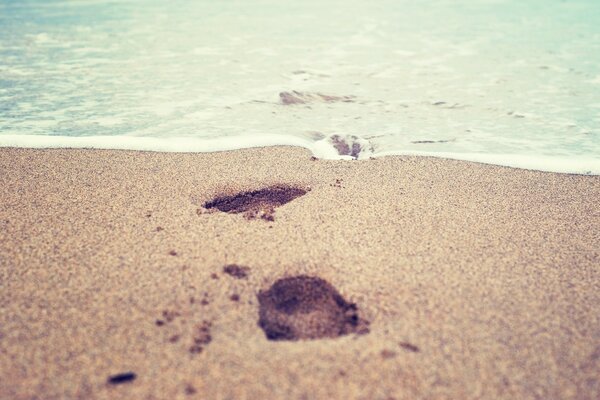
(500, 81)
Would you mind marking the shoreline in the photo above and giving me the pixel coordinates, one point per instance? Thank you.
(322, 149)
(475, 281)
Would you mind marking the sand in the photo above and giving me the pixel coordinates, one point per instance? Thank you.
(473, 281)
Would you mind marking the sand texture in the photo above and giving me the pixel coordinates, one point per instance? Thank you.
(394, 278)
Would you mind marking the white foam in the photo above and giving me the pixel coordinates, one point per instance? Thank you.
(321, 149)
(175, 144)
(203, 78)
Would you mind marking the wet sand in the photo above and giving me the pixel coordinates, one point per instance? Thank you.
(422, 278)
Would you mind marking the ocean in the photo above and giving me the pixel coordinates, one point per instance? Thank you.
(505, 82)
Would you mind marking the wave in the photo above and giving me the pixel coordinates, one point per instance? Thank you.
(333, 147)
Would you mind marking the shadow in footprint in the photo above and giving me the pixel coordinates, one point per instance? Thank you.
(306, 307)
(258, 203)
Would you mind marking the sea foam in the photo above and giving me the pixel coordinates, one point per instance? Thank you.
(345, 80)
(323, 149)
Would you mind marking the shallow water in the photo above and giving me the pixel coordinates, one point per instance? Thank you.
(500, 81)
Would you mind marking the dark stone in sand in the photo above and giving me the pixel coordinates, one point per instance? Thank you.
(306, 307)
(121, 378)
(237, 271)
(258, 203)
(410, 347)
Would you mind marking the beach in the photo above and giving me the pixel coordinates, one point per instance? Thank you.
(463, 280)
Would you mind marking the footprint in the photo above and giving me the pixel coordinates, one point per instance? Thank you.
(256, 204)
(306, 307)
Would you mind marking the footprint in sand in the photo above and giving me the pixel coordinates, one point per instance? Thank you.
(257, 204)
(306, 307)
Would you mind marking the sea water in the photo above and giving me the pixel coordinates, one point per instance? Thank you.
(508, 82)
